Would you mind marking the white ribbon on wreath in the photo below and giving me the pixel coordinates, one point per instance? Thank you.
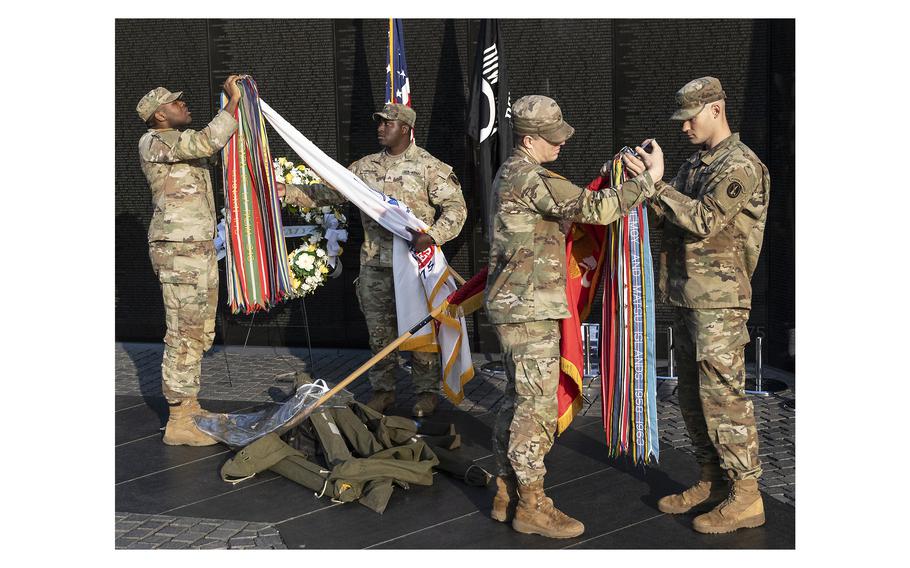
(328, 230)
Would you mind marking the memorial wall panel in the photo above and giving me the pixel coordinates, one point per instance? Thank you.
(614, 79)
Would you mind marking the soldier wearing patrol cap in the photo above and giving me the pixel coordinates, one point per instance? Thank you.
(175, 161)
(526, 298)
(411, 175)
(714, 214)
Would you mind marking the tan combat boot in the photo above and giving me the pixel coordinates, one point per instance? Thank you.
(382, 401)
(193, 407)
(710, 490)
(426, 404)
(181, 430)
(536, 514)
(743, 509)
(506, 499)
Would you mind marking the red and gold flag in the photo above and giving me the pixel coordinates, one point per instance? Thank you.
(469, 296)
(585, 253)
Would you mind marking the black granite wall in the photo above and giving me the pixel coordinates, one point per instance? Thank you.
(614, 79)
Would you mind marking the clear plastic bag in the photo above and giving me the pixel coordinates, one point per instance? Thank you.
(240, 430)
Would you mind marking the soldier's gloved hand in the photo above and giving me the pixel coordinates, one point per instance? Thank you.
(654, 160)
(420, 241)
(633, 164)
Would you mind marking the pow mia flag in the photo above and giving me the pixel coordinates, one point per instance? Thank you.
(489, 120)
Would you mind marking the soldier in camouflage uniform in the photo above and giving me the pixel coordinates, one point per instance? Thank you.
(526, 298)
(714, 213)
(410, 174)
(175, 162)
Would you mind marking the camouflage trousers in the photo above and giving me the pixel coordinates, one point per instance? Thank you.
(376, 294)
(188, 273)
(526, 424)
(710, 346)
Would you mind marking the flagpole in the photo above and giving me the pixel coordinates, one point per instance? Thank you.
(391, 60)
(360, 370)
(456, 276)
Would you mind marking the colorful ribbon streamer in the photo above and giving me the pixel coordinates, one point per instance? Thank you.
(628, 358)
(257, 268)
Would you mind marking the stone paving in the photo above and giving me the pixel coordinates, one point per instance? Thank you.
(135, 531)
(261, 374)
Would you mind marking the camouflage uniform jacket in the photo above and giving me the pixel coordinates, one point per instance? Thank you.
(527, 272)
(716, 207)
(176, 165)
(421, 182)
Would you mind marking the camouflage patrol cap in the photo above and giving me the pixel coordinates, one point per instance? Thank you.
(537, 114)
(695, 94)
(154, 99)
(397, 111)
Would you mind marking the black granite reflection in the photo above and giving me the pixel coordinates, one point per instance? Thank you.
(616, 501)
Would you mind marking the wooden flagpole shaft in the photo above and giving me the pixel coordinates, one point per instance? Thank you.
(300, 417)
(457, 276)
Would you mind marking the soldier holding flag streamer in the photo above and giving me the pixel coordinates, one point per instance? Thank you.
(714, 214)
(175, 161)
(526, 299)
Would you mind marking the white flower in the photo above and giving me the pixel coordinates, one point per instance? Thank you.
(308, 261)
(314, 239)
(320, 253)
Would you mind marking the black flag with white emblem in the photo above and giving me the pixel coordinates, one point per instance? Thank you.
(489, 120)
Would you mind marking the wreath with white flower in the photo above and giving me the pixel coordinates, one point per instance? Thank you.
(309, 268)
(323, 229)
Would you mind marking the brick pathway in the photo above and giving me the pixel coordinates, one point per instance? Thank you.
(161, 531)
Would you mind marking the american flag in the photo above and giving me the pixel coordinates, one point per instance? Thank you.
(397, 84)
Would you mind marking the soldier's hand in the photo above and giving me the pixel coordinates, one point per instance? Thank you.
(654, 160)
(280, 188)
(420, 241)
(231, 88)
(633, 164)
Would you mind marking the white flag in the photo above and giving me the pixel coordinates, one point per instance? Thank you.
(422, 281)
